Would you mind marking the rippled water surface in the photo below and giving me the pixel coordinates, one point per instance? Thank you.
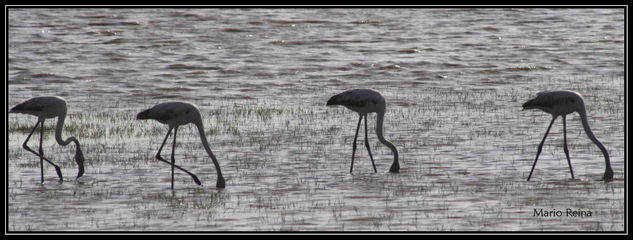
(454, 80)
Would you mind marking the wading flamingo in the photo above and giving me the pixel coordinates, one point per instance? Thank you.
(561, 103)
(364, 101)
(175, 114)
(43, 108)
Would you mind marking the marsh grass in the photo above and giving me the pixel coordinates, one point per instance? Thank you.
(465, 155)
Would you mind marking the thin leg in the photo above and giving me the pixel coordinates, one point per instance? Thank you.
(354, 145)
(173, 160)
(25, 146)
(540, 147)
(565, 146)
(195, 178)
(41, 151)
(367, 145)
(162, 144)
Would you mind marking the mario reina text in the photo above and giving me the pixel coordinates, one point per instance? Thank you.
(539, 212)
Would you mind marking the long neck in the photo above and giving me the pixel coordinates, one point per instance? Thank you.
(58, 132)
(585, 125)
(381, 138)
(203, 138)
(79, 156)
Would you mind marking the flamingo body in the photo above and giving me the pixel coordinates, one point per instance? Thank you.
(176, 114)
(362, 101)
(42, 107)
(172, 113)
(562, 103)
(556, 103)
(365, 101)
(45, 108)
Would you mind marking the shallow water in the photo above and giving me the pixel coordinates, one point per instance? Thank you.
(454, 80)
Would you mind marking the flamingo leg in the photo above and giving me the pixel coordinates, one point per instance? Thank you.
(540, 147)
(162, 144)
(565, 146)
(173, 160)
(354, 145)
(41, 154)
(367, 145)
(41, 151)
(195, 178)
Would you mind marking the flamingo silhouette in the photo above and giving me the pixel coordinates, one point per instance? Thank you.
(561, 103)
(364, 101)
(176, 114)
(44, 108)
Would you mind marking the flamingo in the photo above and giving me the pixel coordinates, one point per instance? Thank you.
(176, 114)
(44, 108)
(561, 103)
(364, 101)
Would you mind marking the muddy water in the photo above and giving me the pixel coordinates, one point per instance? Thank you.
(454, 80)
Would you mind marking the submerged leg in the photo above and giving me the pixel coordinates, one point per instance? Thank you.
(354, 145)
(367, 145)
(540, 147)
(195, 178)
(41, 151)
(41, 155)
(173, 160)
(565, 146)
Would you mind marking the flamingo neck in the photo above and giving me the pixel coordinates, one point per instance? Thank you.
(381, 138)
(79, 156)
(205, 143)
(585, 125)
(58, 132)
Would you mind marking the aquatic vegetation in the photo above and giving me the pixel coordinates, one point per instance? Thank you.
(262, 80)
